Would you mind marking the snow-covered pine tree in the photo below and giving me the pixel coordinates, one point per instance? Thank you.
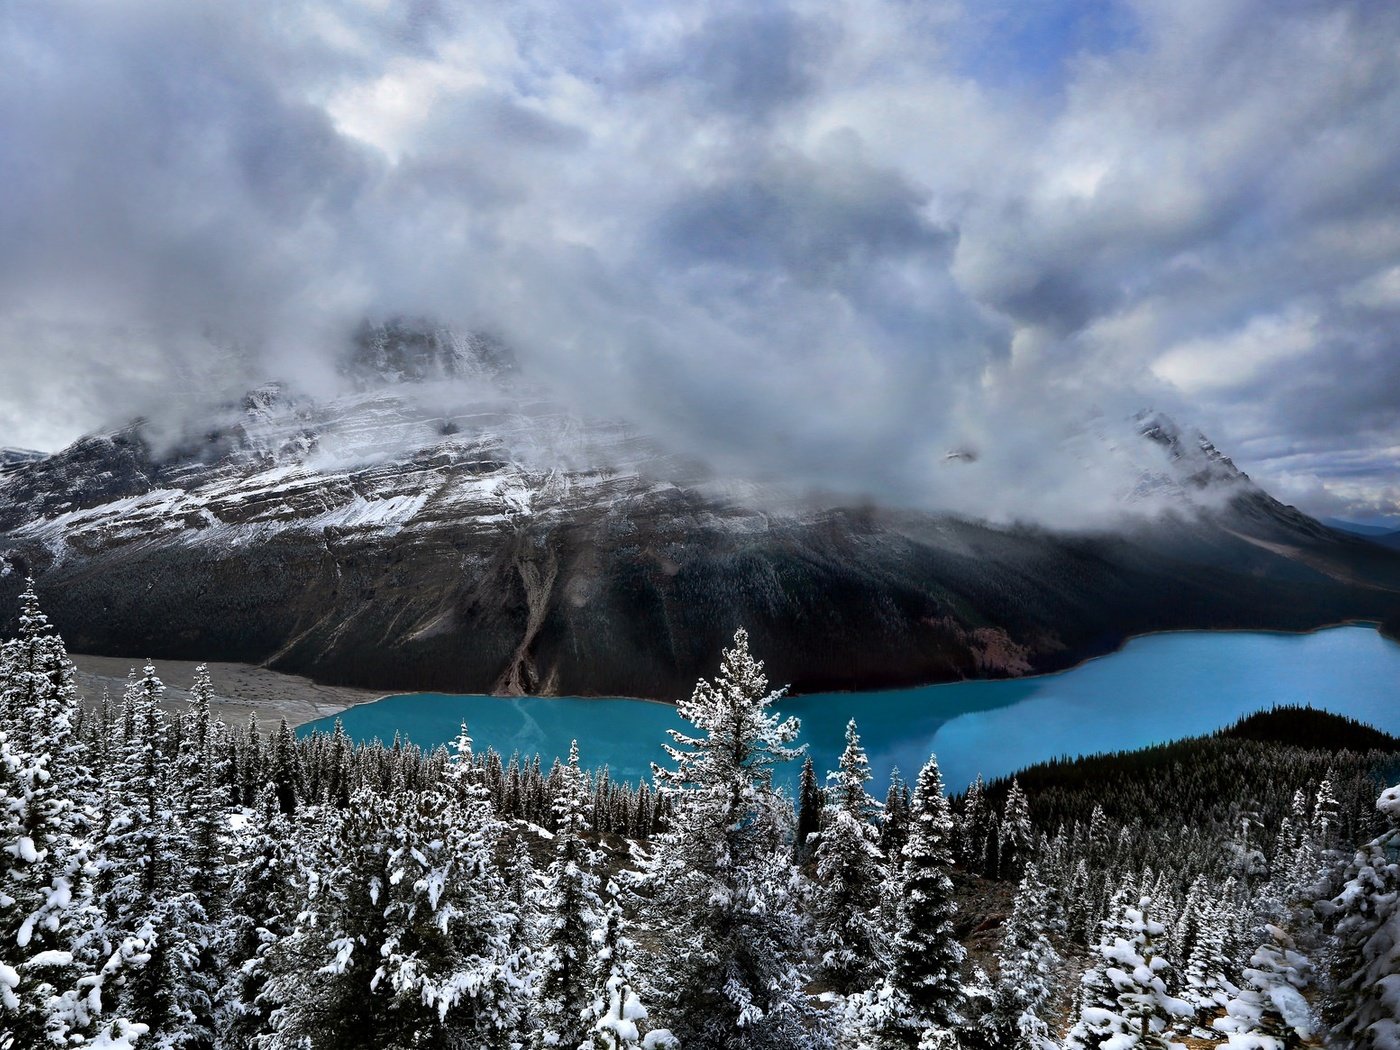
(1017, 836)
(616, 1013)
(52, 958)
(523, 887)
(1124, 1003)
(201, 800)
(970, 841)
(1207, 988)
(285, 769)
(1022, 994)
(250, 770)
(1269, 1012)
(262, 910)
(894, 820)
(1325, 824)
(572, 909)
(1365, 1005)
(921, 999)
(728, 938)
(809, 810)
(1195, 909)
(339, 785)
(850, 871)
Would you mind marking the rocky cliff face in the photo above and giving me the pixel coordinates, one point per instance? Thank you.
(505, 545)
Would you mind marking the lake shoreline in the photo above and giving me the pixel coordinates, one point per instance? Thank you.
(1186, 683)
(241, 689)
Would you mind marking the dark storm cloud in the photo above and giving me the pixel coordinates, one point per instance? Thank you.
(826, 244)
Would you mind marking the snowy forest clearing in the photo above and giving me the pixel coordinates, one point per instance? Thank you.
(1158, 688)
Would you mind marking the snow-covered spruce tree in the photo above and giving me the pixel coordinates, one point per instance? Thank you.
(200, 797)
(1024, 989)
(285, 772)
(1124, 1002)
(723, 968)
(262, 910)
(52, 958)
(1017, 836)
(921, 999)
(523, 888)
(1207, 987)
(405, 941)
(894, 820)
(144, 883)
(616, 1013)
(572, 909)
(850, 872)
(1269, 1011)
(1365, 1004)
(970, 839)
(809, 811)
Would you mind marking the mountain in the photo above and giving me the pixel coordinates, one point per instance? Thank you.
(1375, 533)
(18, 455)
(439, 525)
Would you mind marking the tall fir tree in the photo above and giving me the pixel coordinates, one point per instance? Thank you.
(922, 997)
(572, 909)
(850, 871)
(1022, 995)
(810, 803)
(56, 974)
(723, 892)
(1365, 916)
(1124, 1000)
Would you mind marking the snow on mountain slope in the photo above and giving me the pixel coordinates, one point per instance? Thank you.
(440, 524)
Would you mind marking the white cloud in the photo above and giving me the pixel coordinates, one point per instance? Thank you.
(1238, 357)
(814, 241)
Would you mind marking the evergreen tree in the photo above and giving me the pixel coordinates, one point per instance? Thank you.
(1020, 999)
(53, 967)
(723, 892)
(922, 997)
(1017, 836)
(572, 909)
(850, 870)
(1124, 1003)
(1269, 1011)
(894, 820)
(1366, 914)
(285, 773)
(973, 827)
(809, 810)
(1207, 988)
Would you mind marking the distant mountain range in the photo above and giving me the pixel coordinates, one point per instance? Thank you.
(502, 544)
(1375, 533)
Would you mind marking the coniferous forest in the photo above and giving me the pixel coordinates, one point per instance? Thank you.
(170, 881)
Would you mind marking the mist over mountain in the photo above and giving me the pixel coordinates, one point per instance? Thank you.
(439, 520)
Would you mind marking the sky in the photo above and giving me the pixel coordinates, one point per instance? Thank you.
(828, 242)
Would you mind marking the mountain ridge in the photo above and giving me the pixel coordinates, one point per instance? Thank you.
(408, 535)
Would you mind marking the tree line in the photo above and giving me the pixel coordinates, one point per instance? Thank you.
(170, 881)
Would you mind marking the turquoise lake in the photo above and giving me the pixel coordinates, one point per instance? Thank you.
(1157, 688)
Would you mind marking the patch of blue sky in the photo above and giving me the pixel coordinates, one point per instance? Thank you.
(1030, 45)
